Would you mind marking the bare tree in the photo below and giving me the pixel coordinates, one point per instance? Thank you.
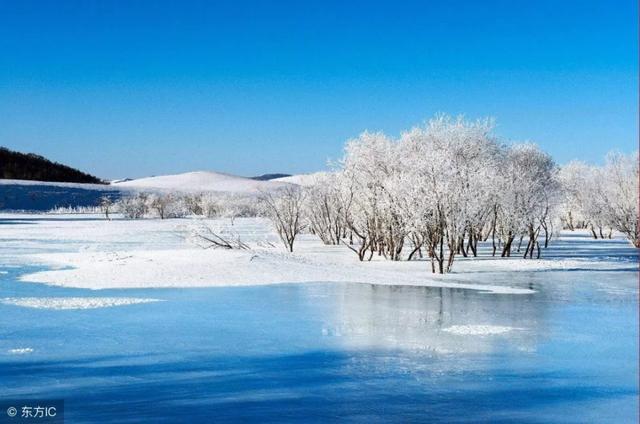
(208, 237)
(284, 208)
(105, 205)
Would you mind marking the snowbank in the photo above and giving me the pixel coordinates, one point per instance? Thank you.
(90, 252)
(203, 268)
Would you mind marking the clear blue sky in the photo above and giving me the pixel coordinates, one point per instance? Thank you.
(135, 88)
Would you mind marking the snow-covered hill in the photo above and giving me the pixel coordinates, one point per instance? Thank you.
(301, 179)
(201, 181)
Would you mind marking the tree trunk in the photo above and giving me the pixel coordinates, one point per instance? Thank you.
(520, 244)
(493, 241)
(571, 227)
(441, 257)
(473, 244)
(506, 251)
(529, 244)
(461, 248)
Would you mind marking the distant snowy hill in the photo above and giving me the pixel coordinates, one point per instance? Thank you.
(201, 181)
(301, 179)
(43, 195)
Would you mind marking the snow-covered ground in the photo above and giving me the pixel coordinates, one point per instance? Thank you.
(200, 181)
(90, 252)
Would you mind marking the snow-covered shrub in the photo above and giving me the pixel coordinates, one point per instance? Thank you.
(234, 206)
(192, 204)
(64, 210)
(133, 206)
(168, 205)
(210, 205)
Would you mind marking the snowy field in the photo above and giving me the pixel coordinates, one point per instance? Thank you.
(132, 316)
(99, 254)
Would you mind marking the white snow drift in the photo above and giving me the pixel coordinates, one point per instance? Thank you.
(98, 254)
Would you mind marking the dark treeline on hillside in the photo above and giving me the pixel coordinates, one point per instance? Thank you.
(267, 177)
(29, 166)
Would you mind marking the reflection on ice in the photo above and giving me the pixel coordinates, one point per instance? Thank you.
(478, 330)
(73, 302)
(440, 320)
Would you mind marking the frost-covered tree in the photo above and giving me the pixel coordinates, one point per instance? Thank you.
(603, 197)
(372, 187)
(449, 169)
(527, 192)
(168, 205)
(134, 206)
(432, 187)
(573, 178)
(584, 202)
(210, 205)
(192, 203)
(619, 189)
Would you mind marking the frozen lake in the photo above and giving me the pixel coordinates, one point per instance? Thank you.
(567, 353)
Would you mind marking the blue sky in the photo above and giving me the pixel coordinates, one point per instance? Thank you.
(136, 88)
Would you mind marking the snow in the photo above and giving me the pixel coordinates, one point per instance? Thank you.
(64, 303)
(20, 351)
(93, 253)
(203, 268)
(304, 180)
(201, 181)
